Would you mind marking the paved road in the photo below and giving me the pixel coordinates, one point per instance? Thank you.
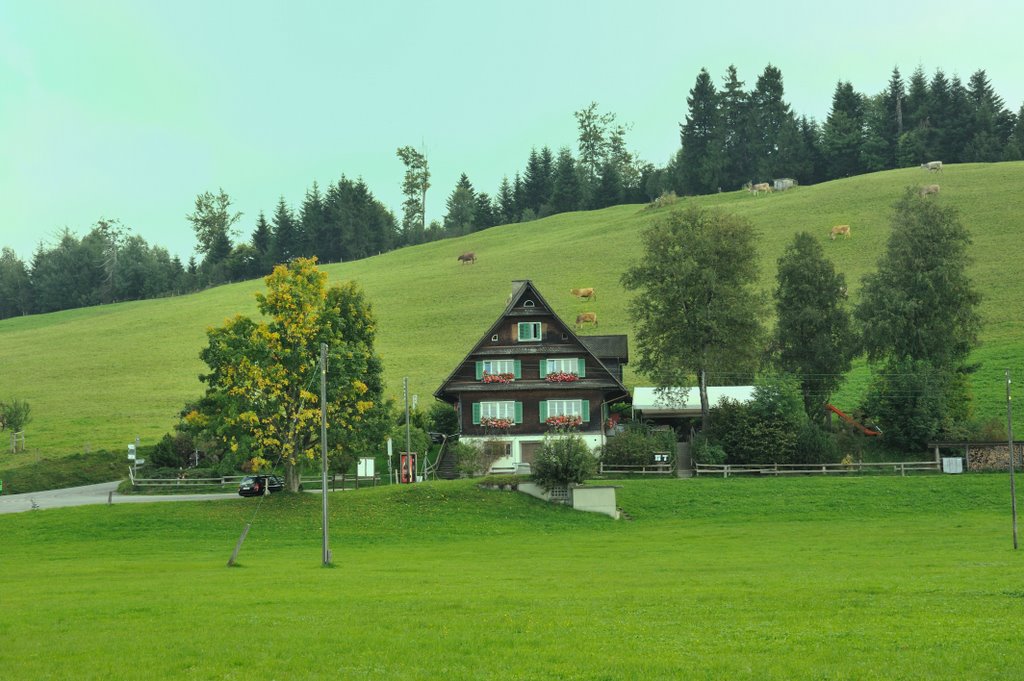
(92, 494)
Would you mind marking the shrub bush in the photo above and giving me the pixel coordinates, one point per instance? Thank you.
(814, 445)
(563, 459)
(635, 446)
(705, 451)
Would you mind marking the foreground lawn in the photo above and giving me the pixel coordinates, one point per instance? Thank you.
(860, 578)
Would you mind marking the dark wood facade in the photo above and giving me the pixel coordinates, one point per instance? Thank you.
(530, 366)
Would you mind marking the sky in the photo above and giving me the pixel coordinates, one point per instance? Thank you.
(128, 110)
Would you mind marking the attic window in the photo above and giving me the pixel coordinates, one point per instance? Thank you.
(528, 303)
(565, 336)
(494, 338)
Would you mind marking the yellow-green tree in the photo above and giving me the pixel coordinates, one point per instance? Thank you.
(263, 390)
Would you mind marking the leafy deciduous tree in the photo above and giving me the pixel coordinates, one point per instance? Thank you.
(813, 337)
(262, 392)
(698, 309)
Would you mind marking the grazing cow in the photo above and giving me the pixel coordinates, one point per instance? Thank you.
(839, 229)
(583, 293)
(469, 257)
(933, 166)
(586, 318)
(756, 189)
(928, 189)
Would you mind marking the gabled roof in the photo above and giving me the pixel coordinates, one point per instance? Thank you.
(523, 291)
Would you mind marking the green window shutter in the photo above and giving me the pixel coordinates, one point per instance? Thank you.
(518, 368)
(476, 413)
(519, 412)
(585, 410)
(543, 368)
(543, 411)
(479, 370)
(523, 329)
(582, 371)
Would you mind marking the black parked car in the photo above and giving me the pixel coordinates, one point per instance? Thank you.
(255, 485)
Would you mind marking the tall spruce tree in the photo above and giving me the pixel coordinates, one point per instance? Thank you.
(565, 194)
(461, 206)
(286, 233)
(262, 242)
(775, 126)
(701, 138)
(842, 136)
(736, 134)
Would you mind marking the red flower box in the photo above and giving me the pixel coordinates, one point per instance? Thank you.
(498, 378)
(561, 377)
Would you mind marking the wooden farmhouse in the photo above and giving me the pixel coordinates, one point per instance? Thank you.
(529, 374)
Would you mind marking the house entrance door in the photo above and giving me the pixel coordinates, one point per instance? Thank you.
(528, 451)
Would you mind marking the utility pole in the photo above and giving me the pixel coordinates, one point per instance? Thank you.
(1013, 458)
(323, 446)
(408, 433)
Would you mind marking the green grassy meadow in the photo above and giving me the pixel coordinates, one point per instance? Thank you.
(98, 377)
(809, 578)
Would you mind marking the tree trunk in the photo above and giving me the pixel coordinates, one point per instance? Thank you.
(291, 476)
(705, 409)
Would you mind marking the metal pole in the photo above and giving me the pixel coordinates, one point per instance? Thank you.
(1013, 462)
(323, 445)
(408, 433)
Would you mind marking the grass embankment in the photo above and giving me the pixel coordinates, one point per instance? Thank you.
(96, 378)
(856, 578)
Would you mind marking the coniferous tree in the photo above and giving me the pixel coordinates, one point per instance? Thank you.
(262, 241)
(565, 195)
(285, 233)
(506, 202)
(701, 138)
(461, 207)
(519, 199)
(312, 227)
(735, 122)
(915, 109)
(842, 136)
(990, 122)
(609, 188)
(15, 285)
(775, 126)
(941, 138)
(484, 214)
(883, 119)
(1014, 150)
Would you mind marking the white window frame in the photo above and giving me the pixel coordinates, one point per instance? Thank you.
(538, 334)
(565, 408)
(498, 410)
(499, 366)
(564, 365)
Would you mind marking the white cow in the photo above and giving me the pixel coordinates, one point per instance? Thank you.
(933, 166)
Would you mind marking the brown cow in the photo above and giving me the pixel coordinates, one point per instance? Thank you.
(928, 189)
(583, 293)
(586, 318)
(469, 257)
(839, 229)
(756, 189)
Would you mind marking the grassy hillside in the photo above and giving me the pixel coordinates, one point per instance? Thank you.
(98, 377)
(857, 578)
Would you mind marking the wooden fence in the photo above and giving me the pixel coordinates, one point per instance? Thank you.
(901, 467)
(184, 485)
(646, 469)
